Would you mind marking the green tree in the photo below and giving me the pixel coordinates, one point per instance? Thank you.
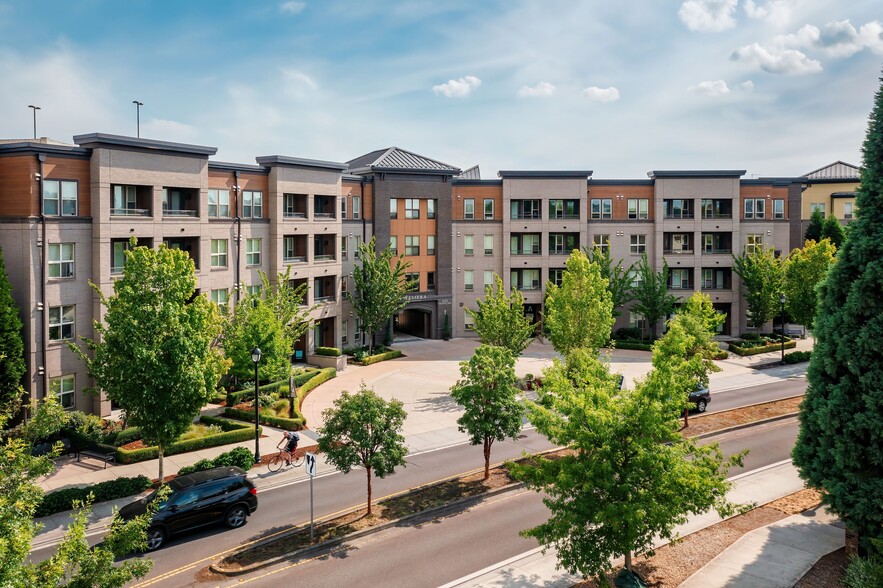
(579, 312)
(155, 354)
(364, 429)
(650, 292)
(841, 424)
(619, 278)
(380, 287)
(74, 563)
(631, 476)
(487, 392)
(287, 302)
(762, 280)
(254, 324)
(12, 358)
(814, 229)
(833, 231)
(805, 269)
(500, 319)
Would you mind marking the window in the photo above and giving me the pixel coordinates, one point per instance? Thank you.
(488, 208)
(253, 290)
(469, 209)
(563, 243)
(59, 198)
(468, 280)
(637, 320)
(219, 203)
(357, 207)
(252, 252)
(524, 244)
(356, 248)
(563, 209)
(118, 256)
(412, 208)
(638, 244)
(753, 242)
(778, 208)
(488, 244)
(61, 322)
(468, 244)
(343, 242)
(556, 276)
(636, 277)
(219, 252)
(639, 208)
(125, 200)
(755, 208)
(344, 327)
(469, 323)
(677, 208)
(488, 278)
(63, 390)
(430, 281)
(343, 207)
(393, 208)
(602, 208)
(252, 204)
(412, 245)
(219, 297)
(680, 279)
(820, 206)
(430, 245)
(413, 281)
(61, 260)
(430, 208)
(602, 242)
(343, 287)
(847, 210)
(394, 245)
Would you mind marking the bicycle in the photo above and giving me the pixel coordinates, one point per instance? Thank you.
(284, 457)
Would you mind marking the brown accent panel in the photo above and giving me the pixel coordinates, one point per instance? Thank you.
(218, 179)
(350, 188)
(620, 196)
(18, 186)
(477, 193)
(65, 168)
(768, 193)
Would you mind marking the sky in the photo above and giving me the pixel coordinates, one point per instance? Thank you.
(775, 87)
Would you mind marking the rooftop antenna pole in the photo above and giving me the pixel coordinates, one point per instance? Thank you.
(138, 106)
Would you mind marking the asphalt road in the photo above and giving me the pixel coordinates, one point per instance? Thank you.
(784, 388)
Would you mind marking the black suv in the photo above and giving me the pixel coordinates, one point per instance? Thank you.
(700, 397)
(198, 499)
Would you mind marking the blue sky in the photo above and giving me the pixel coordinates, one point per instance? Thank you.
(777, 87)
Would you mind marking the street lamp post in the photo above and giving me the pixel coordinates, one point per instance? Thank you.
(256, 358)
(782, 302)
(35, 109)
(138, 106)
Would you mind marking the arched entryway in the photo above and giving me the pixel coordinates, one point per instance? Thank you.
(416, 322)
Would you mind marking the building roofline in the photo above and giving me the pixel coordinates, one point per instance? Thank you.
(476, 182)
(105, 139)
(240, 167)
(806, 180)
(551, 174)
(597, 182)
(271, 160)
(775, 182)
(47, 148)
(696, 173)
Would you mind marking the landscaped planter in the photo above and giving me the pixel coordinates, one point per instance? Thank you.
(328, 361)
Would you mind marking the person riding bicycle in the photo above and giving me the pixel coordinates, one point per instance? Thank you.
(289, 439)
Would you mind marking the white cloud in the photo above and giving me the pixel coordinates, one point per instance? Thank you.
(747, 85)
(708, 15)
(596, 94)
(168, 130)
(296, 83)
(542, 90)
(836, 38)
(292, 7)
(458, 88)
(777, 60)
(775, 11)
(710, 88)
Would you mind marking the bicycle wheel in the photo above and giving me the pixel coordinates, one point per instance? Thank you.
(297, 460)
(275, 463)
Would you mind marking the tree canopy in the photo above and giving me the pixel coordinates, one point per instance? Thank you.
(650, 293)
(840, 443)
(805, 269)
(619, 278)
(814, 228)
(579, 312)
(12, 358)
(500, 319)
(762, 276)
(254, 324)
(487, 393)
(833, 231)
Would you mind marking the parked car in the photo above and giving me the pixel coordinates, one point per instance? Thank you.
(700, 397)
(202, 498)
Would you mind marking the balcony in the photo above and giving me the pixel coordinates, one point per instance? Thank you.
(677, 208)
(324, 289)
(564, 209)
(528, 279)
(717, 279)
(717, 243)
(525, 210)
(131, 200)
(324, 207)
(677, 243)
(294, 249)
(715, 209)
(324, 247)
(188, 244)
(563, 243)
(524, 244)
(294, 206)
(180, 202)
(118, 248)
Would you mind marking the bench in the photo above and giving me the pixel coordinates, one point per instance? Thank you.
(104, 456)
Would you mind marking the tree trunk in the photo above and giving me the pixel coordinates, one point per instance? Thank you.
(487, 457)
(160, 464)
(368, 471)
(628, 560)
(686, 417)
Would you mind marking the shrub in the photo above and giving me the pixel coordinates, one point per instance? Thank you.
(381, 357)
(238, 456)
(62, 500)
(197, 431)
(123, 437)
(636, 345)
(750, 336)
(754, 350)
(628, 333)
(294, 424)
(233, 433)
(320, 378)
(329, 351)
(797, 356)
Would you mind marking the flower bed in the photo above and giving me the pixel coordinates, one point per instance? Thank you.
(233, 432)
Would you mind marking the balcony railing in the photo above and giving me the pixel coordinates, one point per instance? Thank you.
(170, 212)
(564, 215)
(559, 251)
(116, 270)
(129, 212)
(717, 250)
(323, 215)
(525, 251)
(681, 286)
(329, 298)
(292, 214)
(527, 216)
(677, 251)
(295, 259)
(324, 257)
(717, 215)
(712, 286)
(684, 215)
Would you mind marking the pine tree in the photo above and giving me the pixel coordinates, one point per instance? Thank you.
(840, 445)
(833, 231)
(12, 360)
(814, 230)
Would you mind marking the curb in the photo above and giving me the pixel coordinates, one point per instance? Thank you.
(780, 417)
(699, 416)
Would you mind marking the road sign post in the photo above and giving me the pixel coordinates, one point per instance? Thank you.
(310, 466)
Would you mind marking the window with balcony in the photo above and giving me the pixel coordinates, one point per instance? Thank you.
(357, 207)
(252, 252)
(430, 208)
(219, 203)
(679, 279)
(189, 245)
(525, 279)
(430, 281)
(324, 207)
(637, 244)
(294, 205)
(563, 209)
(468, 244)
(677, 208)
(294, 248)
(778, 209)
(252, 204)
(753, 243)
(219, 252)
(524, 244)
(817, 206)
(488, 244)
(61, 322)
(219, 297)
(525, 209)
(713, 208)
(59, 198)
(118, 248)
(601, 208)
(394, 244)
(639, 208)
(430, 244)
(488, 209)
(323, 247)
(180, 202)
(63, 389)
(469, 209)
(468, 280)
(324, 289)
(412, 208)
(61, 260)
(412, 245)
(716, 279)
(556, 275)
(755, 208)
(131, 200)
(677, 243)
(393, 208)
(601, 242)
(563, 243)
(717, 243)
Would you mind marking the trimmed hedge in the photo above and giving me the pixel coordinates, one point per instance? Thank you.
(797, 356)
(372, 359)
(633, 345)
(62, 500)
(233, 433)
(238, 456)
(294, 424)
(746, 351)
(123, 437)
(329, 351)
(320, 377)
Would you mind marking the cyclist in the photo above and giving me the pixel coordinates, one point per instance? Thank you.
(289, 439)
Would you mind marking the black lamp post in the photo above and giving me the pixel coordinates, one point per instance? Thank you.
(256, 358)
(138, 106)
(35, 109)
(782, 302)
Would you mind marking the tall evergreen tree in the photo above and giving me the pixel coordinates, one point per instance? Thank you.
(12, 359)
(814, 229)
(833, 231)
(840, 445)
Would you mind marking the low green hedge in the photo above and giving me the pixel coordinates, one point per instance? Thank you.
(633, 345)
(238, 456)
(62, 500)
(797, 356)
(329, 351)
(320, 377)
(233, 433)
(371, 359)
(746, 351)
(123, 437)
(294, 424)
(721, 354)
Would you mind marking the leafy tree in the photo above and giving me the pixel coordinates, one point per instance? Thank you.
(364, 429)
(254, 324)
(840, 442)
(579, 311)
(74, 563)
(650, 292)
(154, 355)
(12, 358)
(814, 229)
(762, 276)
(487, 392)
(287, 302)
(805, 269)
(631, 476)
(380, 287)
(500, 319)
(619, 278)
(833, 231)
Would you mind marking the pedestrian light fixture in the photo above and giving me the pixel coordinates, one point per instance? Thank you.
(782, 302)
(256, 358)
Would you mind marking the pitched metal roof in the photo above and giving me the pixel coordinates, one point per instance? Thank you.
(395, 159)
(836, 170)
(471, 173)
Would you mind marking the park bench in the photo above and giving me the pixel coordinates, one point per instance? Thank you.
(99, 454)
